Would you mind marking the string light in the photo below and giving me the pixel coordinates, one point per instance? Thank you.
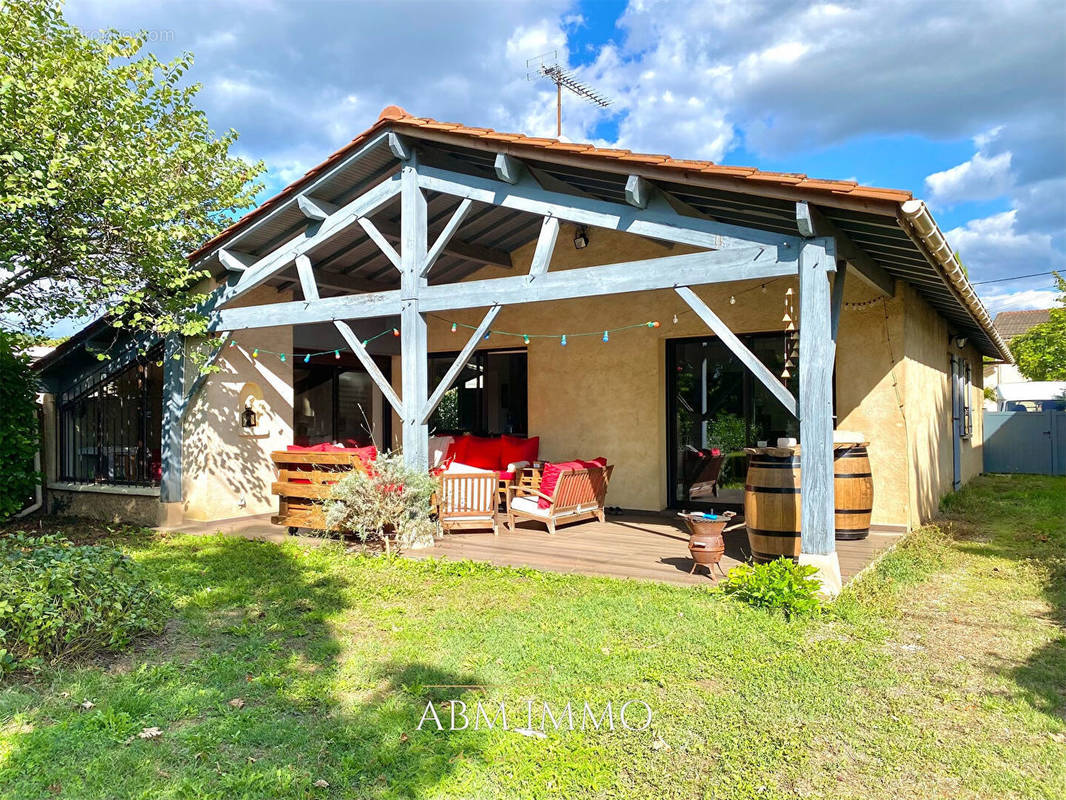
(255, 353)
(306, 357)
(603, 334)
(282, 356)
(337, 354)
(562, 341)
(525, 339)
(454, 327)
(732, 300)
(606, 338)
(232, 342)
(395, 331)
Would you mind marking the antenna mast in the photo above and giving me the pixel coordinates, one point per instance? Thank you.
(547, 66)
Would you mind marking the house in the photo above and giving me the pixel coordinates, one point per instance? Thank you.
(998, 372)
(432, 276)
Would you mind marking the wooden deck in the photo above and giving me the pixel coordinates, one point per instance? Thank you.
(633, 545)
(644, 546)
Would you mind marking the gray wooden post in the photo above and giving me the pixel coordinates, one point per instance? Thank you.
(173, 406)
(414, 358)
(816, 350)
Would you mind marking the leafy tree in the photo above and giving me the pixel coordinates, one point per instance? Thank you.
(1041, 350)
(109, 176)
(18, 427)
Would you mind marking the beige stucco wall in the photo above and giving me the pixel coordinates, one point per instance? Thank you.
(226, 469)
(927, 393)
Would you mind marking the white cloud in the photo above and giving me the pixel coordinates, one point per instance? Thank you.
(980, 178)
(997, 300)
(992, 247)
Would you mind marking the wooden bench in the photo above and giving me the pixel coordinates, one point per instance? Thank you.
(304, 481)
(580, 494)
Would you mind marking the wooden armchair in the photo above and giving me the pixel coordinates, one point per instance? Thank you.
(579, 494)
(469, 500)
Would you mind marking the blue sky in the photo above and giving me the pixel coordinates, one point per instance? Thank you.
(962, 103)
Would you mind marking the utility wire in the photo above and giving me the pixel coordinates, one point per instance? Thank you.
(1015, 278)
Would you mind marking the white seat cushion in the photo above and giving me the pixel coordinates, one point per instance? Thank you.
(528, 505)
(465, 469)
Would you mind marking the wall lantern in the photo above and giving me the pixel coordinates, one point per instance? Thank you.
(249, 418)
(581, 238)
(960, 342)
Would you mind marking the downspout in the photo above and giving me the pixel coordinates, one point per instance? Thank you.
(928, 232)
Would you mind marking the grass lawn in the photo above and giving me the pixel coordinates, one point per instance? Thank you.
(941, 673)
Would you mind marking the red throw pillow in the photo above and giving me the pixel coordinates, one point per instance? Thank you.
(600, 463)
(515, 448)
(550, 477)
(482, 452)
(457, 449)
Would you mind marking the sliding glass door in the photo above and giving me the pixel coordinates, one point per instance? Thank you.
(715, 409)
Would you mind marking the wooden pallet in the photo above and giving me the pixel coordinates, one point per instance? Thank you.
(300, 503)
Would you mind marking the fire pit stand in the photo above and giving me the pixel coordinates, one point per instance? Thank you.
(706, 543)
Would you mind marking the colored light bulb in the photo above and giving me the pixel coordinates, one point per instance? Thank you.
(562, 341)
(453, 327)
(255, 353)
(232, 342)
(487, 334)
(281, 356)
(395, 332)
(606, 338)
(732, 300)
(307, 358)
(525, 339)
(336, 353)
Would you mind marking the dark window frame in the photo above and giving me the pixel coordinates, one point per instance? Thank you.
(346, 363)
(482, 354)
(109, 436)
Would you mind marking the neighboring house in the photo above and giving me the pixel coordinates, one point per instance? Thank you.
(997, 372)
(765, 287)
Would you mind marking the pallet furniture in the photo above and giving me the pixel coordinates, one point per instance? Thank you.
(580, 494)
(469, 500)
(304, 482)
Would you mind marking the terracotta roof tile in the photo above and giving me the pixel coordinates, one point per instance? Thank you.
(397, 117)
(1015, 323)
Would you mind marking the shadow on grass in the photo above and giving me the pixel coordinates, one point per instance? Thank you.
(251, 690)
(1022, 518)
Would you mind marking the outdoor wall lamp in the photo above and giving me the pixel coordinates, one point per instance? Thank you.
(248, 416)
(960, 341)
(581, 238)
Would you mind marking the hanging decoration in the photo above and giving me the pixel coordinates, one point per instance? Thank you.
(563, 338)
(283, 357)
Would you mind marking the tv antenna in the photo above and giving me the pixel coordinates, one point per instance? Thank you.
(547, 66)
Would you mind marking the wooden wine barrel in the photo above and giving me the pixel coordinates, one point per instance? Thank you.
(853, 486)
(772, 504)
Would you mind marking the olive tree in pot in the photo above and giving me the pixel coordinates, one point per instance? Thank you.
(388, 502)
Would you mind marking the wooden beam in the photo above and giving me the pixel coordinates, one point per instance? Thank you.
(369, 364)
(810, 218)
(315, 209)
(235, 261)
(600, 213)
(508, 168)
(638, 191)
(307, 278)
(457, 365)
(280, 258)
(817, 259)
(400, 147)
(414, 356)
(457, 247)
(737, 348)
(721, 266)
(838, 296)
(445, 235)
(383, 244)
(549, 233)
(170, 489)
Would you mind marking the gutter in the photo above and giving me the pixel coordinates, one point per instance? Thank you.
(922, 225)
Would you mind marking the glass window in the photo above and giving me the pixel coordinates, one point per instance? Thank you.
(339, 403)
(488, 398)
(717, 408)
(110, 432)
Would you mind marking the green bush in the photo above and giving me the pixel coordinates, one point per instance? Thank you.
(18, 428)
(60, 599)
(390, 499)
(780, 584)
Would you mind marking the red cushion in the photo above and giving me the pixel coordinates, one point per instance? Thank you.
(482, 452)
(595, 463)
(550, 477)
(457, 449)
(514, 448)
(505, 476)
